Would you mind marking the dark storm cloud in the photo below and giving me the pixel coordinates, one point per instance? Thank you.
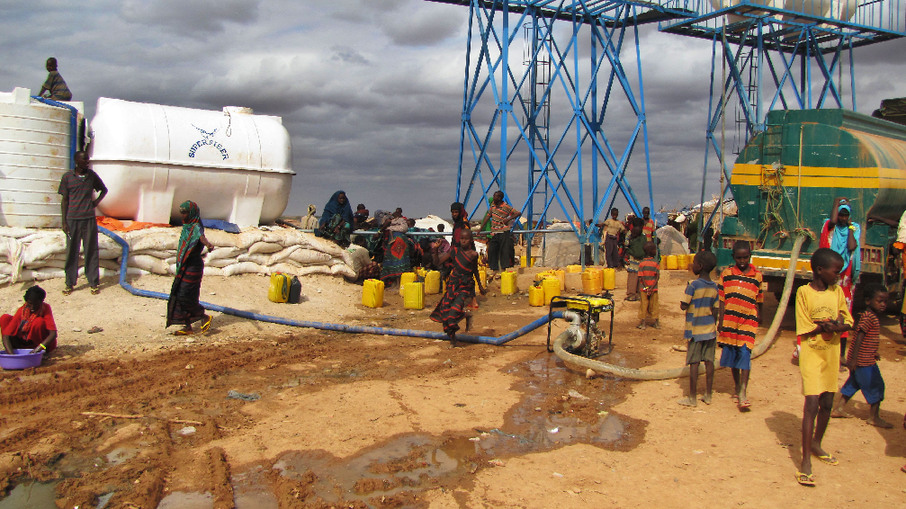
(196, 18)
(369, 90)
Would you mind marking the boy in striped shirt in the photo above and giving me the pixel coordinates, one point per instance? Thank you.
(700, 304)
(862, 360)
(741, 298)
(648, 277)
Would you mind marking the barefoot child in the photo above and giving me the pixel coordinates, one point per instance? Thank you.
(700, 304)
(821, 315)
(648, 276)
(739, 288)
(460, 287)
(32, 326)
(862, 360)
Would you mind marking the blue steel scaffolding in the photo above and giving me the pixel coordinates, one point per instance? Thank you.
(541, 118)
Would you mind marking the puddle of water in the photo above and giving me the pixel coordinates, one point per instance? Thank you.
(257, 500)
(187, 500)
(120, 455)
(31, 495)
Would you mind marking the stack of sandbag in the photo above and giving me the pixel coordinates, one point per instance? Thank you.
(29, 254)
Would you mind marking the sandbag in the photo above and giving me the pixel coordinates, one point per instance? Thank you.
(283, 254)
(40, 275)
(263, 247)
(222, 252)
(163, 255)
(221, 262)
(44, 247)
(15, 232)
(156, 239)
(244, 268)
(259, 259)
(356, 257)
(213, 271)
(51, 263)
(149, 263)
(222, 239)
(309, 257)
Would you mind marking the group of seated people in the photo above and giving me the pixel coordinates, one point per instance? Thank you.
(392, 248)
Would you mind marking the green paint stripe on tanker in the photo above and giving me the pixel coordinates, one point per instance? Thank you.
(856, 178)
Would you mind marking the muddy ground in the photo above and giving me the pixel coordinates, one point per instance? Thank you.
(132, 416)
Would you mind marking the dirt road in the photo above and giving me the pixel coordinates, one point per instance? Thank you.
(256, 415)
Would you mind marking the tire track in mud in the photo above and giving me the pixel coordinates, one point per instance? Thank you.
(192, 383)
(42, 409)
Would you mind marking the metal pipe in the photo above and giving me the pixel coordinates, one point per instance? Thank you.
(338, 327)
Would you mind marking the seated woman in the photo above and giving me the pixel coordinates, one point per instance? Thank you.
(397, 248)
(32, 326)
(336, 221)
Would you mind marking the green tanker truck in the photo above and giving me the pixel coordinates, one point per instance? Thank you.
(786, 179)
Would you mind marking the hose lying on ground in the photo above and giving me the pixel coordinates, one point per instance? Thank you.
(663, 374)
(338, 327)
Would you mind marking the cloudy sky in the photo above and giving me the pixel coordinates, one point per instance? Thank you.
(369, 90)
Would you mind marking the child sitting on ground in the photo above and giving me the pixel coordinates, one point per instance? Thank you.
(700, 304)
(32, 326)
(741, 298)
(821, 315)
(862, 360)
(648, 277)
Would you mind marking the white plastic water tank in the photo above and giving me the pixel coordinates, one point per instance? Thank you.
(35, 144)
(233, 164)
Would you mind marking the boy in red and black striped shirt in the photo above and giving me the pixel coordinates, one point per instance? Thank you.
(741, 298)
(862, 360)
(649, 272)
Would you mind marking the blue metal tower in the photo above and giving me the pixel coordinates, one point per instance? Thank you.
(540, 77)
(568, 114)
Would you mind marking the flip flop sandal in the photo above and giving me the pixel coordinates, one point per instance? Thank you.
(67, 291)
(805, 479)
(829, 459)
(744, 405)
(182, 332)
(207, 324)
(95, 290)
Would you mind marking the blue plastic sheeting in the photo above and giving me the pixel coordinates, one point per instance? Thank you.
(338, 327)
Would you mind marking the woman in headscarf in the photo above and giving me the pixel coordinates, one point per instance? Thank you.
(460, 220)
(336, 221)
(183, 306)
(397, 248)
(842, 235)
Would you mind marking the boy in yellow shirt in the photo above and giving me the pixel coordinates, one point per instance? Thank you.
(821, 315)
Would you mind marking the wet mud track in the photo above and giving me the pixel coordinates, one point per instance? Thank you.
(159, 430)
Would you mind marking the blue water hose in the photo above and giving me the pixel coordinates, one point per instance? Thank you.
(338, 327)
(73, 124)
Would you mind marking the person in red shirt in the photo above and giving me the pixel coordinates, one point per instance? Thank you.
(648, 276)
(32, 326)
(862, 360)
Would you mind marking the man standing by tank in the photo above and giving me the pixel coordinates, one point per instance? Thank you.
(501, 250)
(79, 224)
(54, 85)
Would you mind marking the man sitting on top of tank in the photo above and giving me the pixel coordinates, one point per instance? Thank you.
(55, 86)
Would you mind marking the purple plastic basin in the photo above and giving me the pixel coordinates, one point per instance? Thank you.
(22, 359)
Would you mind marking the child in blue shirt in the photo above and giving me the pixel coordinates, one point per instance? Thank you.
(700, 302)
